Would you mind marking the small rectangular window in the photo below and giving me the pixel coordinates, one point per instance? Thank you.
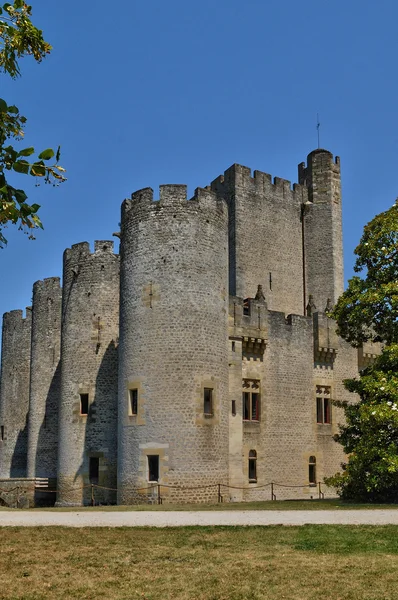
(246, 406)
(2, 433)
(84, 404)
(233, 408)
(252, 466)
(312, 470)
(153, 467)
(319, 412)
(233, 346)
(255, 407)
(208, 401)
(326, 410)
(323, 405)
(94, 469)
(133, 405)
(251, 400)
(246, 307)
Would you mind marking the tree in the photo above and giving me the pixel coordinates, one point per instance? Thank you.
(368, 310)
(19, 38)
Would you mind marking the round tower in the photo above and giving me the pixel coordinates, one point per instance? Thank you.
(87, 415)
(14, 393)
(44, 378)
(322, 233)
(173, 361)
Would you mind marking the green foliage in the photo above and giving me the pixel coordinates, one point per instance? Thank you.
(368, 310)
(19, 38)
(370, 435)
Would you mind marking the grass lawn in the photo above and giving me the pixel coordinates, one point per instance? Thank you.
(206, 563)
(275, 505)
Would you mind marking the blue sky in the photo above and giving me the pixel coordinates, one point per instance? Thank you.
(147, 92)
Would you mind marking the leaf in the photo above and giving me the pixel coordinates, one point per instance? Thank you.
(26, 152)
(58, 156)
(21, 166)
(38, 169)
(20, 196)
(3, 105)
(46, 154)
(13, 110)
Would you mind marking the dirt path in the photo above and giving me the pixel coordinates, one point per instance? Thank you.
(177, 519)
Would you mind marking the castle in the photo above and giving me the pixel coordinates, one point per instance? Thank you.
(202, 355)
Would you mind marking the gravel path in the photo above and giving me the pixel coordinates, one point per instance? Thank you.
(182, 518)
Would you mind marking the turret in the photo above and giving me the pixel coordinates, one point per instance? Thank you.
(173, 367)
(321, 219)
(14, 393)
(87, 418)
(44, 378)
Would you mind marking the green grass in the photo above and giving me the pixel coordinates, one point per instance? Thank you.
(333, 504)
(200, 563)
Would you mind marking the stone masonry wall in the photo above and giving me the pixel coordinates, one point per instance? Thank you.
(173, 342)
(90, 326)
(14, 393)
(322, 228)
(44, 378)
(265, 236)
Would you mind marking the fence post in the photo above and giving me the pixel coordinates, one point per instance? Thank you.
(159, 496)
(219, 493)
(273, 497)
(321, 494)
(92, 495)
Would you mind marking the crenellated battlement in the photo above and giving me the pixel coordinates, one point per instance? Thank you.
(239, 176)
(16, 317)
(81, 251)
(174, 196)
(48, 283)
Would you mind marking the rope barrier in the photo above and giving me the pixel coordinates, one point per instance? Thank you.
(156, 488)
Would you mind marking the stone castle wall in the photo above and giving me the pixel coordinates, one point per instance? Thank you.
(103, 412)
(90, 329)
(44, 379)
(173, 341)
(14, 393)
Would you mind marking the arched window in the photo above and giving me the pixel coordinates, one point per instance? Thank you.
(252, 466)
(312, 470)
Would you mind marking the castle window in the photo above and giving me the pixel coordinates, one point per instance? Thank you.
(133, 402)
(84, 404)
(252, 466)
(93, 472)
(246, 307)
(208, 401)
(251, 400)
(233, 346)
(234, 408)
(153, 467)
(323, 405)
(2, 433)
(312, 470)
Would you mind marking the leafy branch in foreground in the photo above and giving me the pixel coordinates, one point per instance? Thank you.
(19, 38)
(368, 310)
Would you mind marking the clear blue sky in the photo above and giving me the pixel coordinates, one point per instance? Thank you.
(146, 92)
